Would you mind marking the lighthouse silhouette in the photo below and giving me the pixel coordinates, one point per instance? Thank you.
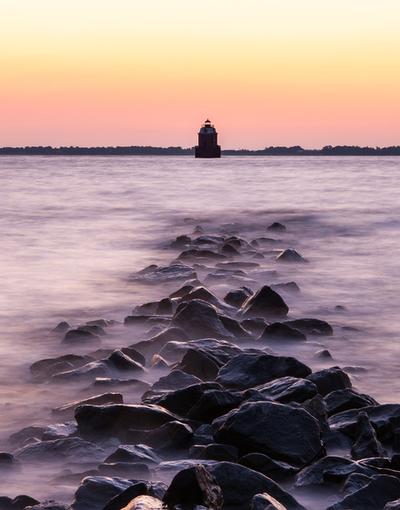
(208, 145)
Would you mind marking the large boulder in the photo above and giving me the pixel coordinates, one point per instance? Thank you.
(247, 370)
(237, 297)
(95, 491)
(213, 403)
(200, 364)
(281, 331)
(343, 400)
(330, 379)
(265, 303)
(367, 444)
(67, 410)
(311, 326)
(288, 389)
(275, 469)
(281, 431)
(220, 351)
(134, 453)
(116, 420)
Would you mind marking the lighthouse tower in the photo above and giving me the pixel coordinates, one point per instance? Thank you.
(208, 145)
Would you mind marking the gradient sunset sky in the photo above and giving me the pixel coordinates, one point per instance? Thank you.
(148, 72)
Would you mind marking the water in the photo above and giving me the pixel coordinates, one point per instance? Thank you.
(73, 229)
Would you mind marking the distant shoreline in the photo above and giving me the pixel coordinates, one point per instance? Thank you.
(341, 150)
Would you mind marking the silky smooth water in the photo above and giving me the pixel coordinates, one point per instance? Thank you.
(73, 229)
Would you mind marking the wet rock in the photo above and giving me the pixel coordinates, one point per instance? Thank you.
(175, 380)
(354, 482)
(200, 320)
(392, 505)
(194, 486)
(277, 227)
(130, 470)
(214, 451)
(181, 242)
(61, 327)
(329, 469)
(237, 297)
(234, 328)
(220, 351)
(154, 274)
(134, 453)
(366, 444)
(288, 389)
(115, 420)
(283, 432)
(200, 254)
(95, 491)
(290, 256)
(265, 303)
(92, 328)
(229, 251)
(122, 499)
(67, 410)
(67, 449)
(317, 408)
(213, 403)
(248, 370)
(380, 490)
(265, 502)
(45, 368)
(157, 342)
(170, 437)
(182, 291)
(198, 363)
(204, 294)
(275, 469)
(238, 265)
(80, 337)
(132, 384)
(330, 379)
(323, 354)
(255, 326)
(158, 362)
(311, 326)
(280, 331)
(343, 400)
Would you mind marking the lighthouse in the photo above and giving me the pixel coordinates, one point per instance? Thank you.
(208, 145)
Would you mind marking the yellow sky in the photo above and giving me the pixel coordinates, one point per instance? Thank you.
(267, 72)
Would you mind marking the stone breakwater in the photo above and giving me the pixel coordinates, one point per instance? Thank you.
(210, 406)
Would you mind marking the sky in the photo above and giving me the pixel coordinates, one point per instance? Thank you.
(149, 72)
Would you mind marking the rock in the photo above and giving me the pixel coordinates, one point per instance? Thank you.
(354, 482)
(95, 491)
(105, 398)
(154, 489)
(280, 331)
(237, 297)
(154, 274)
(229, 251)
(264, 303)
(171, 436)
(265, 502)
(366, 444)
(278, 227)
(255, 326)
(194, 486)
(275, 469)
(134, 453)
(250, 369)
(203, 294)
(94, 328)
(330, 379)
(311, 326)
(129, 470)
(115, 420)
(61, 327)
(80, 337)
(181, 242)
(47, 505)
(290, 256)
(182, 291)
(329, 469)
(144, 503)
(200, 320)
(198, 363)
(316, 407)
(157, 342)
(220, 351)
(133, 384)
(343, 400)
(392, 505)
(158, 362)
(213, 403)
(45, 368)
(214, 451)
(290, 287)
(175, 380)
(380, 490)
(280, 431)
(234, 327)
(67, 449)
(288, 389)
(323, 354)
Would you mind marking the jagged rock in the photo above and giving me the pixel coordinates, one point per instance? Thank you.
(317, 408)
(154, 489)
(290, 256)
(220, 351)
(158, 362)
(323, 354)
(198, 363)
(116, 420)
(247, 370)
(203, 294)
(80, 337)
(182, 291)
(329, 469)
(264, 303)
(274, 469)
(234, 327)
(61, 327)
(255, 326)
(354, 482)
(213, 403)
(330, 379)
(265, 502)
(281, 331)
(278, 227)
(214, 451)
(311, 326)
(200, 320)
(281, 431)
(95, 491)
(175, 380)
(157, 342)
(229, 251)
(70, 449)
(67, 410)
(343, 400)
(380, 490)
(366, 444)
(171, 436)
(237, 297)
(134, 453)
(288, 389)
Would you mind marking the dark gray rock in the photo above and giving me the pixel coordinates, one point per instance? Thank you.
(343, 400)
(61, 327)
(213, 403)
(220, 351)
(67, 410)
(95, 491)
(80, 337)
(291, 256)
(288, 389)
(265, 502)
(214, 451)
(392, 505)
(280, 431)
(200, 364)
(277, 227)
(134, 453)
(354, 482)
(264, 303)
(247, 370)
(275, 469)
(170, 437)
(157, 342)
(237, 297)
(254, 326)
(156, 275)
(280, 331)
(366, 444)
(311, 326)
(175, 380)
(45, 368)
(330, 379)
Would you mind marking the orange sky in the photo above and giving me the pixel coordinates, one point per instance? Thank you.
(138, 72)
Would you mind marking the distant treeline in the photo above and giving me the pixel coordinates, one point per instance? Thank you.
(329, 150)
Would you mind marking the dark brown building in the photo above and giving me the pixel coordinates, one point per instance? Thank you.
(208, 144)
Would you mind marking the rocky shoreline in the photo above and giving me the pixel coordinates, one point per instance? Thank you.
(198, 400)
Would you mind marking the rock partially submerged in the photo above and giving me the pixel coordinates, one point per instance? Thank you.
(265, 303)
